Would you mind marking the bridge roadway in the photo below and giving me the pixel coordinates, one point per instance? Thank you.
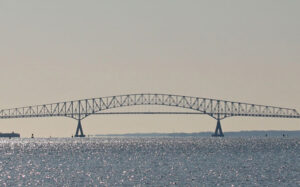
(217, 109)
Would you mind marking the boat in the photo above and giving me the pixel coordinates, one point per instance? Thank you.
(10, 135)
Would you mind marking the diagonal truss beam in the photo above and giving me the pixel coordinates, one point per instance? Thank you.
(218, 109)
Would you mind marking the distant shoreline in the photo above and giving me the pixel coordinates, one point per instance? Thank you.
(208, 134)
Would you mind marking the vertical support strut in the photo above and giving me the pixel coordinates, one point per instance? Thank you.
(79, 128)
(218, 132)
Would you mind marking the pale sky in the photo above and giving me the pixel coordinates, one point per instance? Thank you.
(59, 50)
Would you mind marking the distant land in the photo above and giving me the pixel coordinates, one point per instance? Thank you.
(208, 134)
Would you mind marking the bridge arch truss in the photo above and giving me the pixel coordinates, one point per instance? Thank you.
(217, 109)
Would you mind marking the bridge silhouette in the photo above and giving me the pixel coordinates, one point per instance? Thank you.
(217, 109)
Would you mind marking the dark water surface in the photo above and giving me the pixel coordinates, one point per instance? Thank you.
(150, 162)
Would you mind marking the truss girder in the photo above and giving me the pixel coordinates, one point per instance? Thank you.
(218, 109)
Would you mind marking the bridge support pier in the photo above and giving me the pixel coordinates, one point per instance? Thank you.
(79, 129)
(218, 132)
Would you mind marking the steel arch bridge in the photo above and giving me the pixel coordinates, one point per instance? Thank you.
(217, 109)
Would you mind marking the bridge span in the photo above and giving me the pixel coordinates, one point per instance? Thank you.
(217, 109)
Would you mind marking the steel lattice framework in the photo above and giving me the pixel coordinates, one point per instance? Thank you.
(80, 109)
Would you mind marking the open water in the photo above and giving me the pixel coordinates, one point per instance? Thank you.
(150, 162)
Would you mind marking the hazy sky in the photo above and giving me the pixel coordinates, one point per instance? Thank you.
(60, 50)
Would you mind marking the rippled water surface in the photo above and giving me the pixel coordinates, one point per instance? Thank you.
(150, 162)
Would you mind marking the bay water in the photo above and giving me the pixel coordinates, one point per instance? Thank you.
(150, 161)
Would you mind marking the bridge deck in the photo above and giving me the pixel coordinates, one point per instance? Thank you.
(80, 109)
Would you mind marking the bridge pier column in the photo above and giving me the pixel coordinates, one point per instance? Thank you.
(218, 132)
(79, 129)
